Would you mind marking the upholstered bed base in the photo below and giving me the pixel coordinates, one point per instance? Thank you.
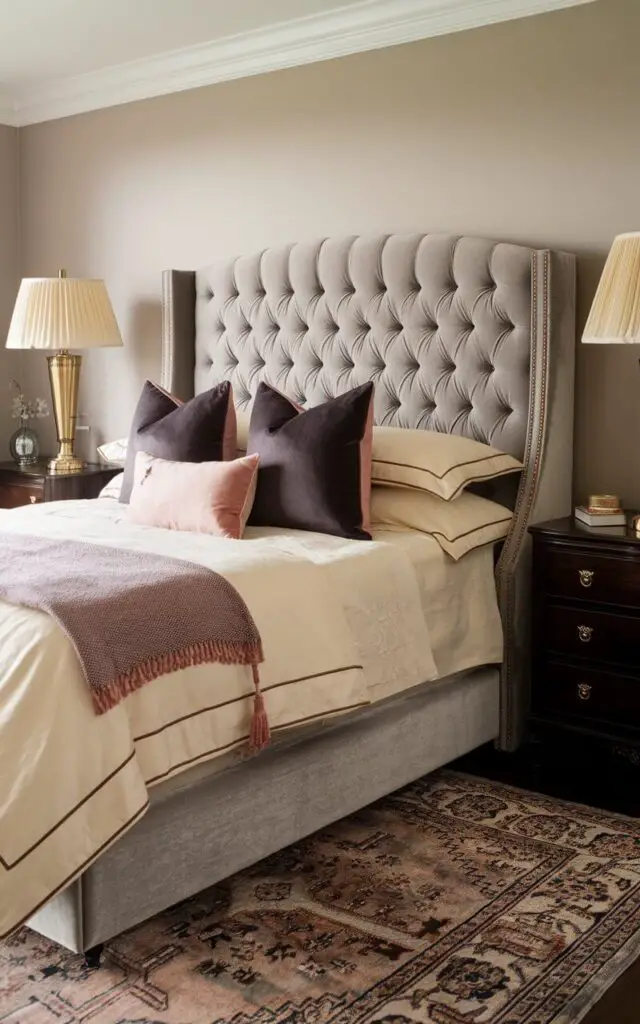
(461, 335)
(194, 837)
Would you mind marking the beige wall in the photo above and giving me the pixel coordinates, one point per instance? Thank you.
(525, 131)
(9, 273)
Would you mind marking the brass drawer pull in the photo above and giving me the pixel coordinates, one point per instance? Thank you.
(584, 633)
(584, 691)
(33, 498)
(586, 577)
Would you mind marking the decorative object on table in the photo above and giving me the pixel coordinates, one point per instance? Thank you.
(60, 314)
(601, 510)
(24, 445)
(33, 484)
(585, 628)
(614, 318)
(455, 900)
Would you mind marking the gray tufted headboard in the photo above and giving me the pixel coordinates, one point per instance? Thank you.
(460, 334)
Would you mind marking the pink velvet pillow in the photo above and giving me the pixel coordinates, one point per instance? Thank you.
(198, 497)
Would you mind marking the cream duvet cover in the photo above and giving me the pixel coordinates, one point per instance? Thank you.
(342, 623)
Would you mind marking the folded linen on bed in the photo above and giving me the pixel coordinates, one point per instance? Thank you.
(336, 618)
(131, 616)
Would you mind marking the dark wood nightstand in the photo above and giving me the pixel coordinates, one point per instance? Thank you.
(586, 632)
(33, 484)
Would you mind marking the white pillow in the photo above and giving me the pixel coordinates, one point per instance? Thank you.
(113, 488)
(443, 464)
(458, 526)
(114, 453)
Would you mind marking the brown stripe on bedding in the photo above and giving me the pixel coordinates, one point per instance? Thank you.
(244, 696)
(8, 866)
(465, 483)
(68, 815)
(242, 739)
(78, 871)
(440, 476)
(467, 533)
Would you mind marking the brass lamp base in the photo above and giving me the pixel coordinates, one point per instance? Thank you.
(64, 376)
(65, 464)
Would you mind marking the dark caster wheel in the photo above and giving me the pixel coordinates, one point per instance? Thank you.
(93, 957)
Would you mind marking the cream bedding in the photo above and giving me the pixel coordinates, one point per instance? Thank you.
(342, 624)
(458, 600)
(460, 608)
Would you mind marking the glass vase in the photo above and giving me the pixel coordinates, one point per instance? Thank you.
(24, 447)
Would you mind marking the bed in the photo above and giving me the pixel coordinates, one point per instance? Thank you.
(461, 335)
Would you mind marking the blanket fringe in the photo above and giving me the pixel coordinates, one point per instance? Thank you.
(259, 734)
(106, 697)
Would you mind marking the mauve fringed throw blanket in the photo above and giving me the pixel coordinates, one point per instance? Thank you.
(133, 616)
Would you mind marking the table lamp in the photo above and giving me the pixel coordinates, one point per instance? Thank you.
(614, 318)
(61, 313)
(615, 313)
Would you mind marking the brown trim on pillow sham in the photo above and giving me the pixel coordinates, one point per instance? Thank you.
(467, 533)
(441, 476)
(461, 487)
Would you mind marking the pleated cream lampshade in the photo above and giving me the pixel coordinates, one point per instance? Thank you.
(62, 313)
(58, 314)
(615, 313)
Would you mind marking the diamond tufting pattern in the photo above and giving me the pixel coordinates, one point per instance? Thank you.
(441, 324)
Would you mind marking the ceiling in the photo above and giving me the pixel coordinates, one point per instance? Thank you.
(54, 38)
(59, 57)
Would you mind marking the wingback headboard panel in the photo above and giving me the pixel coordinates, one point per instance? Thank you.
(459, 334)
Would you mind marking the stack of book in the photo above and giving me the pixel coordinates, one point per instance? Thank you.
(601, 510)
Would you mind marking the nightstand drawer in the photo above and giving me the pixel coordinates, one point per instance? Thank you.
(566, 690)
(590, 578)
(593, 635)
(14, 495)
(585, 577)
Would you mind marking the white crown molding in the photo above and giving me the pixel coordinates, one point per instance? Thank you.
(370, 25)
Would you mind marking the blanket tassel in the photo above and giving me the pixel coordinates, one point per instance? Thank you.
(259, 734)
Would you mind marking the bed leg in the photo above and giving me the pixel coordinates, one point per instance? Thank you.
(93, 957)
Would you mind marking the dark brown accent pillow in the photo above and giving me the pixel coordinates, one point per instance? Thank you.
(314, 473)
(201, 430)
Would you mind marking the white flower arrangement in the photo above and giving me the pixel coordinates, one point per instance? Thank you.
(25, 409)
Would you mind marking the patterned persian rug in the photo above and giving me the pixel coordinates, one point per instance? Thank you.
(455, 901)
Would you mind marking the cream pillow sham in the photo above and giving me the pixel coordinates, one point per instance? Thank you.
(458, 526)
(442, 464)
(114, 453)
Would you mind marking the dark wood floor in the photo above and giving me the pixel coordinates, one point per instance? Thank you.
(584, 774)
